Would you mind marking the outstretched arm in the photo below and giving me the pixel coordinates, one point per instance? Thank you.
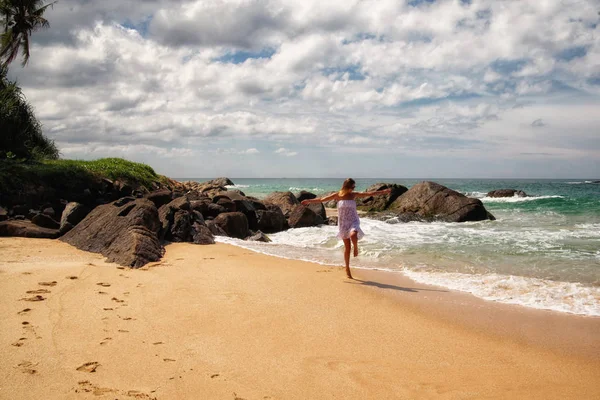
(332, 196)
(369, 194)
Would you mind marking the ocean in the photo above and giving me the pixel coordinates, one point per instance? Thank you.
(543, 251)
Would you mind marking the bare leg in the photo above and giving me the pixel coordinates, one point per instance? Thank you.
(354, 238)
(347, 247)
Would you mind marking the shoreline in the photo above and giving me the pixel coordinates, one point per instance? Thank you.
(221, 322)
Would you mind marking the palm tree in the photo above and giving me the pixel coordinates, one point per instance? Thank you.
(21, 18)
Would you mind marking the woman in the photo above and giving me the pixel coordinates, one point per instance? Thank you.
(348, 221)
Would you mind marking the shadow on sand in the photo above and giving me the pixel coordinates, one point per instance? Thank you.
(393, 287)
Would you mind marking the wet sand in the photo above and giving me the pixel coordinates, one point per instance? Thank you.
(221, 322)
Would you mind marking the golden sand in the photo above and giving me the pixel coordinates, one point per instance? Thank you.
(221, 322)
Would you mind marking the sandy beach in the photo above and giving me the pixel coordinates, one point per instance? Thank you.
(221, 322)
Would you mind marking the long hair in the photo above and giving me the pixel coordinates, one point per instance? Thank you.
(347, 186)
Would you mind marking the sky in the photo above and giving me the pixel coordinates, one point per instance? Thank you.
(313, 88)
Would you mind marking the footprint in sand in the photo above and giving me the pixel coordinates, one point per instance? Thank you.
(24, 311)
(105, 340)
(38, 291)
(71, 277)
(155, 343)
(26, 273)
(101, 292)
(126, 318)
(108, 309)
(123, 331)
(103, 284)
(34, 298)
(19, 342)
(53, 283)
(89, 366)
(169, 360)
(117, 300)
(27, 367)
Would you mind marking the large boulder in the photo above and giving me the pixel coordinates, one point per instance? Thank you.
(318, 209)
(180, 222)
(73, 214)
(220, 182)
(3, 214)
(271, 220)
(160, 197)
(284, 200)
(506, 193)
(45, 221)
(304, 195)
(235, 224)
(434, 202)
(304, 217)
(25, 228)
(383, 201)
(124, 231)
(330, 203)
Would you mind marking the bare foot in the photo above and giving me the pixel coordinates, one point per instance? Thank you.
(355, 251)
(348, 274)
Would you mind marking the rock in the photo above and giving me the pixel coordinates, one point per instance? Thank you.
(201, 234)
(24, 228)
(20, 210)
(220, 182)
(271, 220)
(214, 210)
(259, 237)
(258, 205)
(285, 200)
(506, 193)
(45, 221)
(49, 211)
(215, 229)
(200, 205)
(247, 208)
(181, 227)
(304, 195)
(73, 214)
(434, 202)
(303, 217)
(235, 224)
(3, 214)
(332, 221)
(160, 197)
(227, 204)
(176, 219)
(318, 209)
(124, 233)
(380, 202)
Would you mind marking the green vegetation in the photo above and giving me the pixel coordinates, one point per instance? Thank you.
(22, 136)
(69, 174)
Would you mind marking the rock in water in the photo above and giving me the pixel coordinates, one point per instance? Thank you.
(285, 200)
(235, 224)
(383, 201)
(271, 220)
(506, 193)
(304, 217)
(124, 231)
(434, 202)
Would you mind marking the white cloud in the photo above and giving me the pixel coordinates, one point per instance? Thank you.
(358, 76)
(286, 152)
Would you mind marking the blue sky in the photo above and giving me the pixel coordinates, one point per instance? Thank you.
(370, 88)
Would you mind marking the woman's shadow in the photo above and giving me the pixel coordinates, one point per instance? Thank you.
(393, 287)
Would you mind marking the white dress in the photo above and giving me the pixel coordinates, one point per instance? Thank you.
(348, 220)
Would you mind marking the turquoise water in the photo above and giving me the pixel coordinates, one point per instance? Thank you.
(543, 251)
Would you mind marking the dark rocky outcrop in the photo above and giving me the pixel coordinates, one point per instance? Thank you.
(180, 222)
(380, 202)
(73, 214)
(271, 220)
(304, 195)
(220, 182)
(259, 237)
(235, 224)
(318, 209)
(124, 231)
(215, 229)
(506, 193)
(304, 217)
(434, 202)
(3, 214)
(22, 228)
(160, 197)
(286, 201)
(45, 221)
